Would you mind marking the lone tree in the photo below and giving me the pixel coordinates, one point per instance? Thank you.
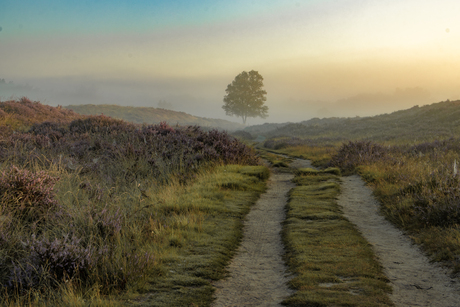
(246, 96)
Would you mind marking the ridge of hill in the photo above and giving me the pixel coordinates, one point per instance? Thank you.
(20, 115)
(262, 129)
(150, 115)
(435, 121)
(269, 128)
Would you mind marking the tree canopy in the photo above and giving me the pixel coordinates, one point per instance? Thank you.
(246, 96)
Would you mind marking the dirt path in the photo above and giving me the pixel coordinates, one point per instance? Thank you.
(257, 272)
(415, 281)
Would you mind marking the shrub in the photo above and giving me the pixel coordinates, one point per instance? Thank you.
(243, 135)
(91, 235)
(49, 129)
(352, 154)
(270, 144)
(100, 124)
(28, 195)
(50, 260)
(436, 149)
(23, 113)
(436, 200)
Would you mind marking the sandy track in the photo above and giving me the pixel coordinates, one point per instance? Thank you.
(415, 281)
(257, 272)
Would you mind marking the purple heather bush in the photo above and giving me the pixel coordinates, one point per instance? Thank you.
(435, 197)
(48, 262)
(89, 239)
(58, 258)
(436, 149)
(99, 143)
(27, 195)
(93, 252)
(19, 115)
(108, 223)
(51, 130)
(352, 154)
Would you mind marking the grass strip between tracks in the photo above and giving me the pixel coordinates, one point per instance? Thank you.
(333, 264)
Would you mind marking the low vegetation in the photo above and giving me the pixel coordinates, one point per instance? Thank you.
(415, 178)
(149, 115)
(204, 230)
(418, 124)
(333, 264)
(318, 151)
(418, 187)
(98, 211)
(275, 160)
(20, 115)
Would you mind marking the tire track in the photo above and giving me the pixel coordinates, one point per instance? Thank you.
(257, 272)
(415, 281)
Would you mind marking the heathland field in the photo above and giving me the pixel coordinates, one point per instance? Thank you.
(409, 158)
(97, 211)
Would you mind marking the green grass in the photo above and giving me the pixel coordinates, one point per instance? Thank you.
(400, 186)
(274, 159)
(192, 231)
(402, 182)
(333, 264)
(192, 255)
(100, 212)
(312, 172)
(318, 155)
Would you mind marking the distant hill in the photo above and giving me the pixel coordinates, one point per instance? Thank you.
(264, 128)
(147, 115)
(435, 121)
(20, 115)
(271, 128)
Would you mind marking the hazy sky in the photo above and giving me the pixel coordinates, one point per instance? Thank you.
(318, 57)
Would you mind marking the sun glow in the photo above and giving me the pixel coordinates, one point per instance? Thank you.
(304, 49)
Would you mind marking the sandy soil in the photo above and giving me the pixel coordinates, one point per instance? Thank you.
(415, 281)
(257, 272)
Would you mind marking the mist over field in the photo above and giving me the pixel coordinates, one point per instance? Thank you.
(204, 104)
(111, 194)
(318, 58)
